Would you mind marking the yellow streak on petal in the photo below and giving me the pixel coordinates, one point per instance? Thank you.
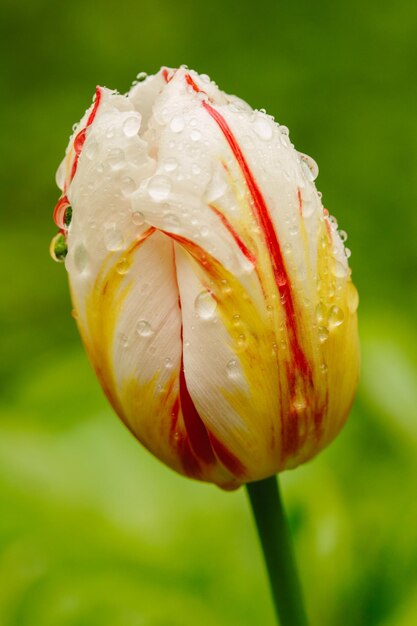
(103, 307)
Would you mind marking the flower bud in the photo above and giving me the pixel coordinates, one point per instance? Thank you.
(211, 288)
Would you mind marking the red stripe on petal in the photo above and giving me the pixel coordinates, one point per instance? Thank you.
(81, 136)
(262, 215)
(227, 458)
(196, 430)
(300, 201)
(241, 245)
(59, 212)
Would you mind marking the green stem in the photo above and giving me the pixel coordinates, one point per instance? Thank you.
(276, 543)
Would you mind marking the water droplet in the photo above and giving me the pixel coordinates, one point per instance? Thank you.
(348, 253)
(310, 167)
(308, 207)
(336, 316)
(172, 220)
(138, 218)
(323, 368)
(177, 124)
(113, 238)
(124, 340)
(122, 266)
(263, 128)
(159, 188)
(131, 125)
(205, 305)
(90, 149)
(170, 164)
(127, 185)
(58, 248)
(232, 369)
(168, 363)
(242, 341)
(196, 169)
(352, 297)
(299, 404)
(116, 158)
(323, 333)
(141, 76)
(80, 258)
(195, 135)
(343, 235)
(144, 329)
(340, 270)
(204, 231)
(216, 188)
(293, 230)
(225, 287)
(321, 312)
(333, 222)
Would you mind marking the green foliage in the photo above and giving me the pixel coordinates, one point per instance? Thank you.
(94, 531)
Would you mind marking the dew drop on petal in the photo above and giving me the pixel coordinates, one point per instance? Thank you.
(124, 340)
(263, 128)
(113, 238)
(336, 316)
(159, 188)
(340, 270)
(80, 258)
(320, 312)
(116, 158)
(323, 333)
(216, 188)
(170, 164)
(205, 305)
(195, 135)
(168, 363)
(90, 149)
(138, 218)
(122, 266)
(172, 220)
(352, 297)
(131, 125)
(177, 124)
(232, 369)
(144, 329)
(58, 248)
(310, 167)
(127, 185)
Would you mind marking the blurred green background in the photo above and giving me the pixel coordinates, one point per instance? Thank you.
(95, 532)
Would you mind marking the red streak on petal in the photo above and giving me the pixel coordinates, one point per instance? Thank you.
(227, 458)
(196, 430)
(59, 212)
(79, 141)
(95, 107)
(326, 221)
(271, 240)
(81, 136)
(193, 84)
(197, 434)
(242, 247)
(300, 201)
(165, 75)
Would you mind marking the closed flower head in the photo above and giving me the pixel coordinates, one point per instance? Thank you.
(211, 288)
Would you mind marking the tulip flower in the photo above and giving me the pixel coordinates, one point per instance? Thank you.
(211, 288)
